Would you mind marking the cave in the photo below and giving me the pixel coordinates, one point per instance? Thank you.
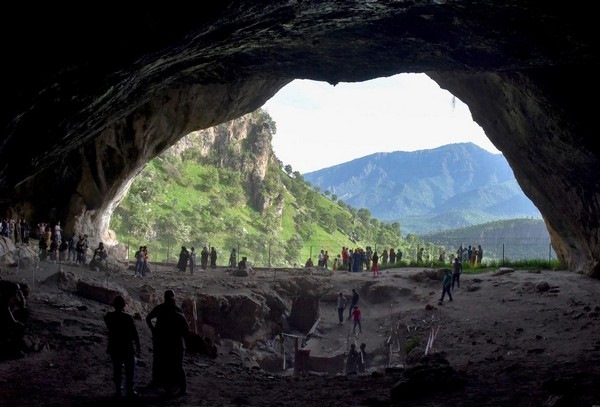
(92, 95)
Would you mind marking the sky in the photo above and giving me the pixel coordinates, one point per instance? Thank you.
(320, 125)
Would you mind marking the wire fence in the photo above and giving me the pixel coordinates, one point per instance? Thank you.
(269, 254)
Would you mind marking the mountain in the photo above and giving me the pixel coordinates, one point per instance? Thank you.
(224, 187)
(452, 186)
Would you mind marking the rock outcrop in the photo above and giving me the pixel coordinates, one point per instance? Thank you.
(90, 102)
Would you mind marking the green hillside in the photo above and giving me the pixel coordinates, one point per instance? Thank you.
(187, 198)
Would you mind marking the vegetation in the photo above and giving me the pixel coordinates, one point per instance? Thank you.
(185, 198)
(197, 195)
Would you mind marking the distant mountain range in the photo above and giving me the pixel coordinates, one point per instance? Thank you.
(452, 186)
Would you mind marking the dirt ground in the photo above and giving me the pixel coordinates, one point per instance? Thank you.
(514, 339)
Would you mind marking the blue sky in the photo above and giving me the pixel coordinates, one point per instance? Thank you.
(320, 125)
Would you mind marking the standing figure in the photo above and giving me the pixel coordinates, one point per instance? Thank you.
(139, 262)
(479, 254)
(213, 258)
(233, 259)
(73, 248)
(355, 298)
(123, 345)
(456, 272)
(375, 260)
(352, 360)
(184, 256)
(192, 261)
(356, 316)
(420, 255)
(362, 358)
(446, 285)
(168, 338)
(341, 306)
(204, 258)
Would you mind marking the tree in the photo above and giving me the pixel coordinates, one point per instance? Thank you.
(334, 197)
(327, 192)
(288, 169)
(364, 215)
(298, 176)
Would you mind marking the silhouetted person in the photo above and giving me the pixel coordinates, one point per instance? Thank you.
(456, 272)
(362, 358)
(446, 285)
(123, 345)
(354, 301)
(184, 256)
(204, 258)
(13, 315)
(168, 337)
(99, 257)
(213, 258)
(352, 360)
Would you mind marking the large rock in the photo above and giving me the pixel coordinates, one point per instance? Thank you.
(85, 116)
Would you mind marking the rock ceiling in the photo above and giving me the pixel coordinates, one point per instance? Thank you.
(91, 95)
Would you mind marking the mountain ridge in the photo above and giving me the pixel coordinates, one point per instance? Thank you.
(415, 187)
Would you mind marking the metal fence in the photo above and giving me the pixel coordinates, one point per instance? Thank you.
(497, 249)
(278, 255)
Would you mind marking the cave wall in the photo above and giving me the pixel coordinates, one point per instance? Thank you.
(87, 107)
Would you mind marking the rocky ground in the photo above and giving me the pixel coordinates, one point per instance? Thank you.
(507, 339)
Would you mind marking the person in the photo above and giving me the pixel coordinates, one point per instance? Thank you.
(100, 256)
(375, 260)
(479, 254)
(355, 298)
(123, 345)
(341, 306)
(309, 262)
(169, 329)
(456, 272)
(356, 316)
(145, 266)
(73, 248)
(233, 258)
(420, 255)
(204, 258)
(244, 264)
(139, 262)
(446, 285)
(192, 260)
(184, 256)
(362, 358)
(13, 315)
(398, 255)
(213, 258)
(352, 360)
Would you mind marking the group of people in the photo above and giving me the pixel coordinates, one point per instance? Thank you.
(356, 361)
(16, 230)
(473, 255)
(141, 262)
(358, 259)
(188, 258)
(169, 329)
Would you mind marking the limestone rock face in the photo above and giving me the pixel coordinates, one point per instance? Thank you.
(83, 117)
